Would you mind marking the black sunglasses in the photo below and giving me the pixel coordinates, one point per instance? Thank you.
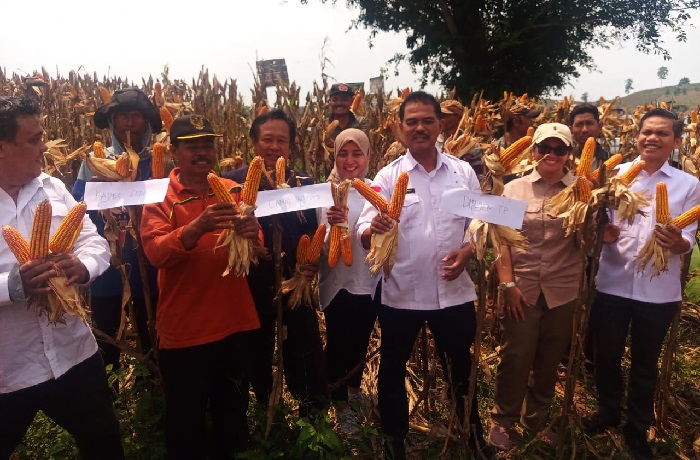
(560, 151)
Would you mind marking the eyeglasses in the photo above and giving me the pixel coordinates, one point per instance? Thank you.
(560, 151)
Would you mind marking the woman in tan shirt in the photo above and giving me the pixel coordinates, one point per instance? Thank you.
(538, 286)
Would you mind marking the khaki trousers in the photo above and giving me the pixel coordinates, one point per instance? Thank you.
(535, 344)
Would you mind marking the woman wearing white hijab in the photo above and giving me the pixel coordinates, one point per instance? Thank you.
(347, 292)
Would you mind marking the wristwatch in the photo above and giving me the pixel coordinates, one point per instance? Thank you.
(504, 286)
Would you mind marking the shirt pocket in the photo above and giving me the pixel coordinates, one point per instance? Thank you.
(411, 213)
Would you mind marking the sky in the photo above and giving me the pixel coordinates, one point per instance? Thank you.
(136, 38)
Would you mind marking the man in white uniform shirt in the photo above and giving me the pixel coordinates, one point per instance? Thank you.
(55, 368)
(627, 297)
(428, 281)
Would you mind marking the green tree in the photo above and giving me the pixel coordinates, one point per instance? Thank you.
(684, 81)
(662, 73)
(532, 46)
(584, 97)
(628, 86)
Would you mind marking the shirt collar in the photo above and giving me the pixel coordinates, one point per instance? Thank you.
(412, 163)
(534, 176)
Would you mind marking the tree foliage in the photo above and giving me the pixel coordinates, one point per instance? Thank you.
(532, 46)
(662, 73)
(628, 86)
(684, 81)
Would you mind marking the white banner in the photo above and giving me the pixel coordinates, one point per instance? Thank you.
(489, 208)
(106, 195)
(271, 202)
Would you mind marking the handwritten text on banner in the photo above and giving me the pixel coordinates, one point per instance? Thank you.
(489, 208)
(271, 202)
(105, 195)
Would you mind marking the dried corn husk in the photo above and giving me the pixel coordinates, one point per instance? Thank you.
(106, 169)
(241, 251)
(64, 299)
(383, 250)
(621, 198)
(652, 250)
(566, 206)
(482, 234)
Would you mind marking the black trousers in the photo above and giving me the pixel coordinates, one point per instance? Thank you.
(212, 376)
(612, 317)
(303, 357)
(106, 316)
(79, 401)
(350, 320)
(453, 329)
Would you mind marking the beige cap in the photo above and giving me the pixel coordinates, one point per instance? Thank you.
(556, 130)
(451, 107)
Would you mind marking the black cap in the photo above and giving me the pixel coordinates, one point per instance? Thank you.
(341, 88)
(129, 99)
(191, 127)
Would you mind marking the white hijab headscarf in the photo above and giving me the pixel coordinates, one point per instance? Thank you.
(361, 140)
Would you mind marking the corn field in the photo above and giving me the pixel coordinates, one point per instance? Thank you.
(68, 103)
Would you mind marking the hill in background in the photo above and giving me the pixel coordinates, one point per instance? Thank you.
(675, 95)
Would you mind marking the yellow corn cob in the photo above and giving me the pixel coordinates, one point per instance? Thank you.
(530, 131)
(632, 172)
(252, 181)
(41, 227)
(123, 164)
(106, 96)
(356, 102)
(262, 110)
(610, 164)
(331, 126)
(397, 198)
(158, 94)
(479, 124)
(158, 161)
(98, 150)
(219, 189)
(17, 244)
(514, 151)
(67, 232)
(370, 195)
(334, 248)
(346, 250)
(280, 171)
(167, 118)
(694, 116)
(587, 156)
(303, 249)
(582, 189)
(663, 215)
(687, 218)
(316, 243)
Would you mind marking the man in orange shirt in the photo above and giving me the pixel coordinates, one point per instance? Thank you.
(202, 318)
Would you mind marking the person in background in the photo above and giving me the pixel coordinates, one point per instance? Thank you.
(341, 97)
(428, 282)
(304, 364)
(347, 291)
(584, 121)
(129, 115)
(538, 290)
(452, 112)
(55, 368)
(204, 319)
(628, 300)
(519, 118)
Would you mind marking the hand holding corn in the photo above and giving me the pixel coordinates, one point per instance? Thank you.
(671, 238)
(218, 216)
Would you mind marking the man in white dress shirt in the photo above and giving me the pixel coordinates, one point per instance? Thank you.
(428, 281)
(55, 368)
(627, 297)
